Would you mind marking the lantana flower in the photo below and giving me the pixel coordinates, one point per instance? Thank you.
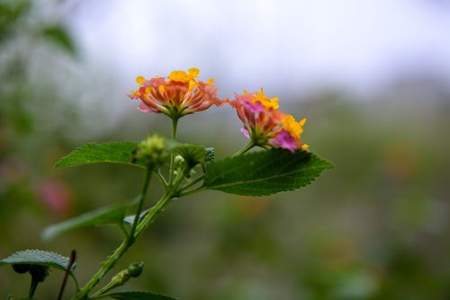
(265, 125)
(180, 94)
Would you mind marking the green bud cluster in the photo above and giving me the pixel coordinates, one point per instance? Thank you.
(152, 151)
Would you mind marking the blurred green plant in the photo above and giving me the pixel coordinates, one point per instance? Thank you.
(189, 169)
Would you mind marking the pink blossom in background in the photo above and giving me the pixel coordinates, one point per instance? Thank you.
(56, 196)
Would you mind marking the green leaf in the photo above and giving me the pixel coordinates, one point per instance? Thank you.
(264, 172)
(39, 258)
(59, 36)
(114, 152)
(102, 216)
(138, 296)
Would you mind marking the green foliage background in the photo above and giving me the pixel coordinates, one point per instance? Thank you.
(376, 227)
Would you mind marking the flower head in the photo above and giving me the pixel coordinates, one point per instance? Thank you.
(265, 125)
(177, 95)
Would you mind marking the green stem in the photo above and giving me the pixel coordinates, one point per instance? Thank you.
(109, 263)
(162, 179)
(148, 176)
(247, 147)
(174, 127)
(105, 267)
(172, 157)
(140, 226)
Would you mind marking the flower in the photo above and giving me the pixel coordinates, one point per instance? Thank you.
(265, 125)
(177, 95)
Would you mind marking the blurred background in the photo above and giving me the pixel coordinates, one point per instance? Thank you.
(372, 77)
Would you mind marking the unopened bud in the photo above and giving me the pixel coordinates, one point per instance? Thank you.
(133, 270)
(136, 269)
(151, 151)
(179, 161)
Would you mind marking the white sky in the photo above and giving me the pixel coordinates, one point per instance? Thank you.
(271, 43)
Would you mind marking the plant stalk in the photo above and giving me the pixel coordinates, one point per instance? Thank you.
(148, 176)
(109, 263)
(246, 148)
(172, 157)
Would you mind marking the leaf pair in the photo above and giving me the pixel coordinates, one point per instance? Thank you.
(122, 153)
(257, 173)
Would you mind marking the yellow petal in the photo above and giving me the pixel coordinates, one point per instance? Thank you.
(290, 124)
(140, 80)
(179, 76)
(192, 84)
(193, 72)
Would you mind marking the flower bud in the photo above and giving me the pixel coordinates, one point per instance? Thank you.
(135, 270)
(179, 161)
(151, 151)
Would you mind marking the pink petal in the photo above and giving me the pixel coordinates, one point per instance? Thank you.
(244, 131)
(144, 107)
(284, 140)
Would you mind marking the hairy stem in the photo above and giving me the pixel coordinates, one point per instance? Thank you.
(105, 267)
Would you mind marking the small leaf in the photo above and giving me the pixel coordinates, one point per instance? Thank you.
(114, 152)
(102, 216)
(138, 296)
(58, 35)
(39, 258)
(264, 172)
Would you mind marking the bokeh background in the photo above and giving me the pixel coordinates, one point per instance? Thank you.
(372, 77)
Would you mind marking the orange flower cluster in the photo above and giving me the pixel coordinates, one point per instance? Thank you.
(177, 95)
